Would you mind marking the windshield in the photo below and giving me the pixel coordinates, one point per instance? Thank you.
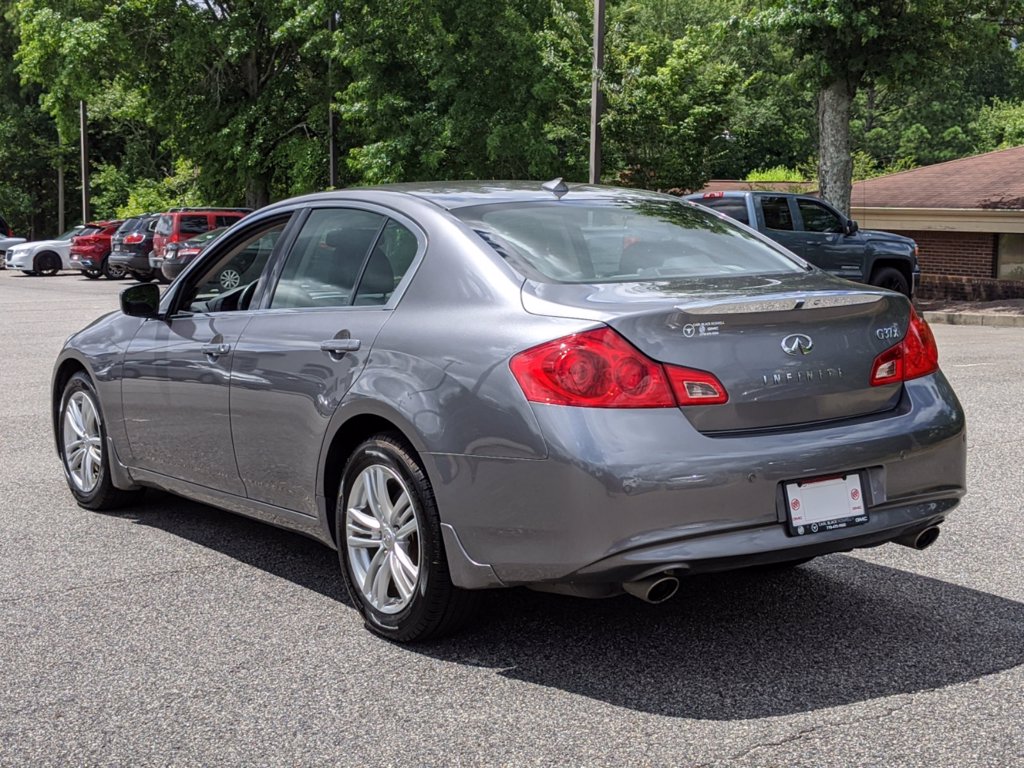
(621, 240)
(69, 234)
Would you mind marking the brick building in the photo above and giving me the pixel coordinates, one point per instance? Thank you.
(967, 217)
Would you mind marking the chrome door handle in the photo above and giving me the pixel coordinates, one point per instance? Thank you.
(340, 346)
(215, 350)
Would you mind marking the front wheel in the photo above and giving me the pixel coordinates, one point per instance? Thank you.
(390, 546)
(891, 278)
(92, 274)
(82, 440)
(47, 264)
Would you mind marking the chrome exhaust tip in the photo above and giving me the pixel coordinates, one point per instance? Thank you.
(921, 539)
(656, 589)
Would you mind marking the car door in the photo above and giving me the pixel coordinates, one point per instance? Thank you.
(175, 378)
(778, 221)
(301, 353)
(825, 242)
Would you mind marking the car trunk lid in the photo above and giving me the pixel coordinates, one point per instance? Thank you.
(786, 354)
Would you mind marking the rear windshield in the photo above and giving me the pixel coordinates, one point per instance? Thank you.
(129, 225)
(166, 225)
(85, 231)
(621, 240)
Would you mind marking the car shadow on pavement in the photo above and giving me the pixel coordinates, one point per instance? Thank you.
(735, 646)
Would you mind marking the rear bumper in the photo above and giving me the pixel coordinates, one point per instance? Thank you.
(623, 494)
(136, 262)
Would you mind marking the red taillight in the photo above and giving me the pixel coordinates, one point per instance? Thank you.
(134, 238)
(713, 195)
(917, 355)
(600, 369)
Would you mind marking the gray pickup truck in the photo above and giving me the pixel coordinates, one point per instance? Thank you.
(813, 229)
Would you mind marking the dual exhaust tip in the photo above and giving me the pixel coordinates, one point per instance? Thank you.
(663, 586)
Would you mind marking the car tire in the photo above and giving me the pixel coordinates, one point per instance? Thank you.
(147, 278)
(82, 444)
(390, 547)
(162, 278)
(46, 263)
(113, 271)
(892, 279)
(28, 272)
(92, 274)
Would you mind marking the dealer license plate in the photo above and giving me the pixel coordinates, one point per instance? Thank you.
(825, 504)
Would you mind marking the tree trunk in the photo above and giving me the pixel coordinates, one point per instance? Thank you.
(257, 192)
(835, 164)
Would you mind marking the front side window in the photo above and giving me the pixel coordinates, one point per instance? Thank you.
(229, 282)
(620, 240)
(818, 218)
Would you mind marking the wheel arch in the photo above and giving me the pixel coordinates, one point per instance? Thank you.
(351, 426)
(61, 376)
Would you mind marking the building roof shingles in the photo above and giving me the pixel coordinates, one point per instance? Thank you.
(993, 181)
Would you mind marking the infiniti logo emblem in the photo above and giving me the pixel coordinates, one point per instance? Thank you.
(797, 344)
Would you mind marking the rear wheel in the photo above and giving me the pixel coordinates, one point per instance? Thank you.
(143, 278)
(891, 278)
(92, 274)
(113, 271)
(82, 439)
(390, 546)
(46, 263)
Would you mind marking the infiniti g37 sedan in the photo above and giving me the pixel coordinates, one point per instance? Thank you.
(465, 386)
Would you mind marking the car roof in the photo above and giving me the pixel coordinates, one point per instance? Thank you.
(452, 195)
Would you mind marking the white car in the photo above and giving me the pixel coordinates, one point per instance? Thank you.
(5, 244)
(43, 257)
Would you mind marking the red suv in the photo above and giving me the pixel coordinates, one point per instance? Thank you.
(179, 224)
(90, 248)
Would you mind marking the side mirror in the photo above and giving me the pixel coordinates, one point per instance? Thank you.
(141, 300)
(851, 227)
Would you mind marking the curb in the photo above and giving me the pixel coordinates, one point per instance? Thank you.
(975, 318)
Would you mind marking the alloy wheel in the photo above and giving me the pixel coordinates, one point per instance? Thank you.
(83, 442)
(383, 539)
(230, 278)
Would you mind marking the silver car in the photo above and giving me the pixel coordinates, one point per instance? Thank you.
(467, 386)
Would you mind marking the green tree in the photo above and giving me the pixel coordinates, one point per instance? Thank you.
(847, 44)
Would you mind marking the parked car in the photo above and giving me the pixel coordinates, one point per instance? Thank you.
(131, 245)
(43, 257)
(5, 244)
(180, 224)
(813, 229)
(175, 260)
(477, 385)
(91, 247)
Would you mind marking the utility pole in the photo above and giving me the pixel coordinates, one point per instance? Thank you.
(83, 129)
(332, 143)
(60, 183)
(596, 97)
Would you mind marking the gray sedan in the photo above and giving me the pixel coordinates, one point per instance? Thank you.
(460, 387)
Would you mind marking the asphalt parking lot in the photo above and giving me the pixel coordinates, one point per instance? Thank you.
(175, 634)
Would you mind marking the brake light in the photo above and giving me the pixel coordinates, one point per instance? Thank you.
(134, 238)
(713, 195)
(917, 355)
(600, 369)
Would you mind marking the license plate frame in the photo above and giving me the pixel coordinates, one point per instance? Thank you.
(818, 504)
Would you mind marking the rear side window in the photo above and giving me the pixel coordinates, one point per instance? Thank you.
(324, 265)
(734, 208)
(193, 224)
(621, 240)
(225, 220)
(776, 213)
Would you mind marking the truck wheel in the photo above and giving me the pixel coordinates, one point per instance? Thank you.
(891, 278)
